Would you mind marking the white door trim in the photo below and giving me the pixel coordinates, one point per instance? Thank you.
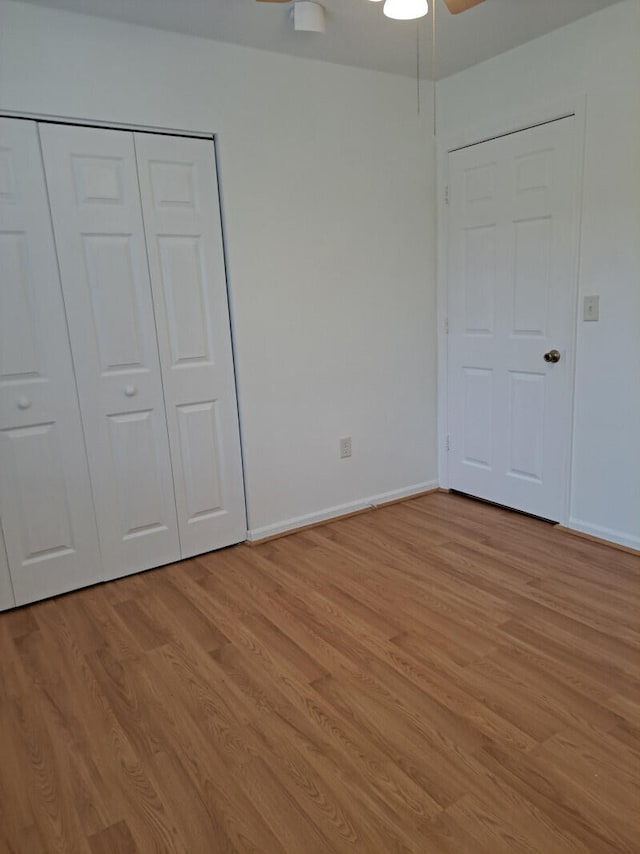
(501, 126)
(97, 123)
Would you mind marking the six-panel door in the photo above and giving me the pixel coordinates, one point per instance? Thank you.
(46, 507)
(511, 300)
(95, 202)
(184, 240)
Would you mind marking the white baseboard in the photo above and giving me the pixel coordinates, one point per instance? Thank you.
(339, 510)
(619, 537)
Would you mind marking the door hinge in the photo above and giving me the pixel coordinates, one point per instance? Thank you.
(447, 443)
(446, 195)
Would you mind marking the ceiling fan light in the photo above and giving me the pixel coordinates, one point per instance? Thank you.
(308, 16)
(405, 10)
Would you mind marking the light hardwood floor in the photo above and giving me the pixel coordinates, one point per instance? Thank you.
(439, 676)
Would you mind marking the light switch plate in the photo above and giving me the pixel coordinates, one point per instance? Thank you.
(591, 308)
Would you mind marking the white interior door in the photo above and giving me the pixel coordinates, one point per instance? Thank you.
(45, 496)
(95, 201)
(184, 239)
(512, 300)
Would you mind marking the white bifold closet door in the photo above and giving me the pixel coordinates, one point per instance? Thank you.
(7, 599)
(46, 509)
(150, 335)
(181, 213)
(97, 217)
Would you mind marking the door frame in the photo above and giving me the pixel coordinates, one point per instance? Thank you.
(503, 125)
(52, 118)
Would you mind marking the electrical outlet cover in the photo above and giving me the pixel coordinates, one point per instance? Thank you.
(345, 447)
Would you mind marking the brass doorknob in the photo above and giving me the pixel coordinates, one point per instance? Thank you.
(552, 356)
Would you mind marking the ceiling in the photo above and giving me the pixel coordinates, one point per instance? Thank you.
(357, 31)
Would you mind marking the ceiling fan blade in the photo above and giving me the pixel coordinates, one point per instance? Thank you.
(457, 6)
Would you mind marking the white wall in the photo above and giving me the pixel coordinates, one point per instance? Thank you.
(598, 56)
(327, 180)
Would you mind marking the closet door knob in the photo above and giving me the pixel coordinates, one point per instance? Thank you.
(130, 390)
(24, 403)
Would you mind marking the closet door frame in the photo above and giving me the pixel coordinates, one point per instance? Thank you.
(195, 133)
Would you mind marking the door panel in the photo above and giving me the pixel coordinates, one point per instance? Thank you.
(7, 599)
(526, 425)
(116, 301)
(530, 281)
(184, 240)
(511, 299)
(33, 455)
(477, 426)
(200, 450)
(190, 332)
(19, 351)
(480, 276)
(94, 193)
(136, 468)
(98, 180)
(45, 497)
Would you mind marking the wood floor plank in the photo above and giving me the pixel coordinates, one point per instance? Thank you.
(438, 675)
(542, 786)
(115, 839)
(128, 787)
(510, 828)
(186, 751)
(567, 705)
(338, 749)
(434, 677)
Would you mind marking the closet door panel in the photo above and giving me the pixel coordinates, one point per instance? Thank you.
(7, 599)
(46, 506)
(93, 187)
(184, 239)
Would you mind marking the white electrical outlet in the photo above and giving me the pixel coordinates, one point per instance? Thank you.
(345, 447)
(591, 308)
